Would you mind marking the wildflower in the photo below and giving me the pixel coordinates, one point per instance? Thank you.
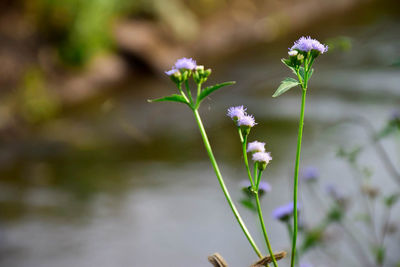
(310, 174)
(185, 63)
(256, 146)
(395, 116)
(262, 158)
(236, 113)
(336, 195)
(171, 72)
(264, 187)
(307, 44)
(283, 213)
(247, 121)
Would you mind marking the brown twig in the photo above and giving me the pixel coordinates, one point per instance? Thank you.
(268, 259)
(217, 260)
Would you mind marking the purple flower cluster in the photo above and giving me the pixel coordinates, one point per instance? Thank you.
(284, 212)
(262, 157)
(307, 44)
(236, 113)
(310, 174)
(239, 115)
(247, 120)
(182, 64)
(255, 146)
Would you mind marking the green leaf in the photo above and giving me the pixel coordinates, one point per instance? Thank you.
(287, 63)
(172, 98)
(302, 74)
(208, 90)
(286, 84)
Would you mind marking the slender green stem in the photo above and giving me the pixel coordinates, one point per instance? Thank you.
(246, 162)
(255, 168)
(260, 216)
(188, 91)
(222, 184)
(296, 174)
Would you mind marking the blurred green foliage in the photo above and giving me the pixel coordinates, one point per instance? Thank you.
(36, 102)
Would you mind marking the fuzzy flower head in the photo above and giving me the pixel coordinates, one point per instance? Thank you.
(255, 146)
(236, 113)
(310, 174)
(185, 63)
(307, 44)
(283, 213)
(262, 159)
(171, 72)
(247, 121)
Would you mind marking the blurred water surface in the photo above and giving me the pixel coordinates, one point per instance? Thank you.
(121, 182)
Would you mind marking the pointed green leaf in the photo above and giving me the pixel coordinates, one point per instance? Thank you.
(208, 90)
(172, 98)
(286, 84)
(287, 63)
(301, 72)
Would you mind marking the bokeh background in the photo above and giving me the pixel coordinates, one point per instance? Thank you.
(93, 175)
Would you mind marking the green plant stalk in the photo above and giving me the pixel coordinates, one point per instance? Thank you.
(246, 161)
(222, 184)
(261, 218)
(296, 171)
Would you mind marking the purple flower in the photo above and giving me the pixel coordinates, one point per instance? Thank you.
(310, 174)
(185, 63)
(262, 157)
(284, 212)
(247, 120)
(264, 187)
(236, 113)
(307, 44)
(395, 115)
(306, 265)
(256, 147)
(171, 72)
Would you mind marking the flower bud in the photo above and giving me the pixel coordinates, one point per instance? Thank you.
(293, 53)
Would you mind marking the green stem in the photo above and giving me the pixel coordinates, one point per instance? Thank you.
(260, 216)
(296, 174)
(188, 91)
(222, 184)
(246, 162)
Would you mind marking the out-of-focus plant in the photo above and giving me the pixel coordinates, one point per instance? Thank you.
(369, 249)
(80, 28)
(35, 101)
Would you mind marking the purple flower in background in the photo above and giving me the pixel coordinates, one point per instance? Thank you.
(264, 187)
(284, 212)
(310, 174)
(236, 113)
(306, 265)
(256, 147)
(395, 115)
(307, 44)
(171, 72)
(262, 157)
(185, 63)
(247, 120)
